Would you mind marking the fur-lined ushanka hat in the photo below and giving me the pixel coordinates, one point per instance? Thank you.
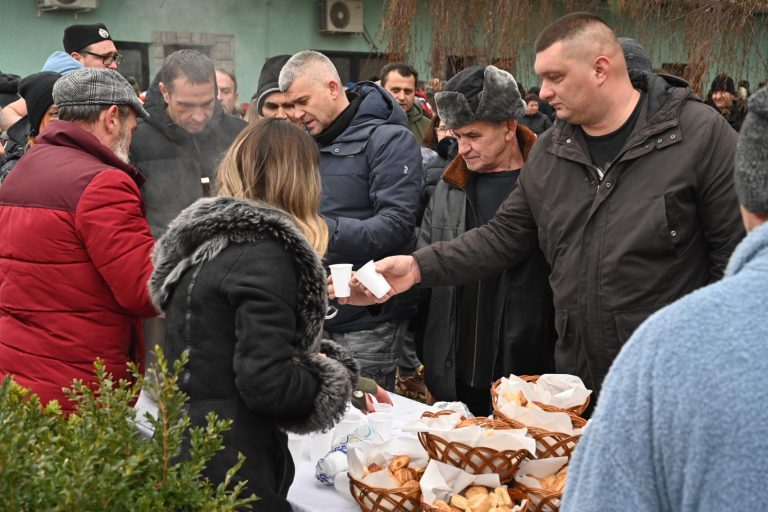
(479, 93)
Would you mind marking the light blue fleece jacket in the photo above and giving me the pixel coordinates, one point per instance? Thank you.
(682, 422)
(61, 62)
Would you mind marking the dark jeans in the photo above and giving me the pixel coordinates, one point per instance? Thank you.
(377, 350)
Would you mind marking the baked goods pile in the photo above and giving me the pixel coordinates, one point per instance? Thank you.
(399, 470)
(478, 498)
(466, 464)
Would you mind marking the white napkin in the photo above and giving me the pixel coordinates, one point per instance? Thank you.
(555, 389)
(360, 455)
(441, 480)
(535, 417)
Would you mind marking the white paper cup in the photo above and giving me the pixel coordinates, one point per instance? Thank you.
(296, 447)
(381, 423)
(341, 273)
(381, 407)
(372, 280)
(319, 445)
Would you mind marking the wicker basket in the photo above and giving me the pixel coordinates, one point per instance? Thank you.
(578, 410)
(541, 500)
(516, 494)
(549, 444)
(377, 499)
(475, 460)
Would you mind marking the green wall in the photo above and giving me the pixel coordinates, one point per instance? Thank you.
(261, 28)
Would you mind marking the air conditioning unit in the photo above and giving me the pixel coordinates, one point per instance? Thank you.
(340, 16)
(69, 5)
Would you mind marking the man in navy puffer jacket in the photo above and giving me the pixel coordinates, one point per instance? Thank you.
(370, 166)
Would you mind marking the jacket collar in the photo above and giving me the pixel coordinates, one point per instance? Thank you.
(663, 99)
(378, 107)
(458, 175)
(752, 247)
(204, 229)
(69, 134)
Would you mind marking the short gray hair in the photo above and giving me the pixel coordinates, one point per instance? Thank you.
(89, 113)
(296, 65)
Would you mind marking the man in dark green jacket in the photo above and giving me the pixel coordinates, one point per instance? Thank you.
(629, 196)
(401, 80)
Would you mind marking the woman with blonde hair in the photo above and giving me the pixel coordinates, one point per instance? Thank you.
(240, 280)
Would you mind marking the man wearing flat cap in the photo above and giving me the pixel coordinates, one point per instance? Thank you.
(76, 249)
(482, 330)
(629, 196)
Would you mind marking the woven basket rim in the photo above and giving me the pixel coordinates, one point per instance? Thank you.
(576, 409)
(384, 489)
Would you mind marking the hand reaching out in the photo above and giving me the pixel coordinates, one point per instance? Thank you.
(401, 272)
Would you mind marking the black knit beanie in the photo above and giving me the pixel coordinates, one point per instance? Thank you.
(270, 73)
(751, 164)
(77, 37)
(37, 91)
(723, 82)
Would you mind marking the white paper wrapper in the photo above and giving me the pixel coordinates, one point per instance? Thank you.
(435, 424)
(535, 417)
(539, 468)
(555, 389)
(364, 453)
(499, 440)
(441, 480)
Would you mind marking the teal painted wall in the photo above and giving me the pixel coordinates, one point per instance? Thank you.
(261, 28)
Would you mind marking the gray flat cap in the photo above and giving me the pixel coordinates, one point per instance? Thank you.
(97, 86)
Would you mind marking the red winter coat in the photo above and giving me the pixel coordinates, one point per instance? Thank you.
(74, 263)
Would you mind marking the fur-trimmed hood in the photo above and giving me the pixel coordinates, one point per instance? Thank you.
(457, 175)
(208, 226)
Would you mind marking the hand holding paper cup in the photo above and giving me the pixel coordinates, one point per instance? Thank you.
(341, 274)
(372, 280)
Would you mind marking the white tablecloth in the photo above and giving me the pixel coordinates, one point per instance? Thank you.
(309, 495)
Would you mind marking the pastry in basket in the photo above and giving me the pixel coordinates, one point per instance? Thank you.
(518, 397)
(556, 482)
(478, 498)
(400, 471)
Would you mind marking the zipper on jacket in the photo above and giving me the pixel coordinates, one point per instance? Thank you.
(477, 302)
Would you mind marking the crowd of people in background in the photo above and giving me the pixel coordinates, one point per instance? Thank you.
(543, 227)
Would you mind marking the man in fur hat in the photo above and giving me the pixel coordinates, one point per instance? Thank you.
(629, 196)
(485, 329)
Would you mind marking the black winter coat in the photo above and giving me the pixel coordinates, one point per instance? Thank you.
(245, 294)
(538, 123)
(525, 342)
(662, 223)
(173, 161)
